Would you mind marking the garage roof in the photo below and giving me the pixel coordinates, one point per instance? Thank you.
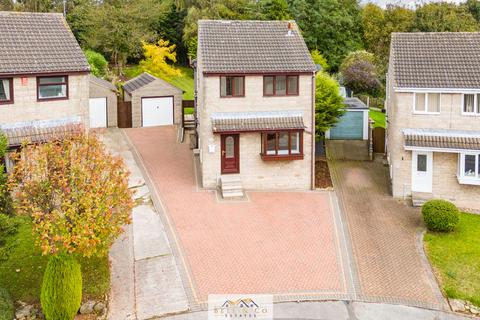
(142, 80)
(102, 83)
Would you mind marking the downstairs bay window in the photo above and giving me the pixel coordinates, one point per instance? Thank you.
(469, 168)
(282, 145)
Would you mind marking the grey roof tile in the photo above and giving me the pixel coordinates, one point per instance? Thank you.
(33, 43)
(436, 59)
(442, 139)
(252, 46)
(138, 82)
(256, 121)
(102, 83)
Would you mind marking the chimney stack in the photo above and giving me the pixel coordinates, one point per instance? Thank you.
(290, 27)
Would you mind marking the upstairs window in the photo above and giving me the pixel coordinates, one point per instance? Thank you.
(52, 88)
(6, 91)
(426, 102)
(280, 85)
(232, 86)
(471, 104)
(282, 144)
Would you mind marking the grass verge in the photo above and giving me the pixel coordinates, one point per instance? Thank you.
(455, 256)
(22, 273)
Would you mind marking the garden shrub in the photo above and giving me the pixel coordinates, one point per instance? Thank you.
(98, 63)
(440, 215)
(8, 227)
(61, 294)
(7, 310)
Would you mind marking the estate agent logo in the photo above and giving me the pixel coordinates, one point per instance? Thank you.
(240, 306)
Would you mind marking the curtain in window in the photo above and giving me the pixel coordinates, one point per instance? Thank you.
(469, 103)
(4, 89)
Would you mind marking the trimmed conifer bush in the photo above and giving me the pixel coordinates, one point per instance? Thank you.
(61, 294)
(7, 309)
(440, 215)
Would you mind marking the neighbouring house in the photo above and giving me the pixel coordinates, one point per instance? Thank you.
(349, 137)
(255, 83)
(433, 109)
(154, 102)
(102, 103)
(43, 77)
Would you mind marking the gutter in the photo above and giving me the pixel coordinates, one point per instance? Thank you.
(312, 179)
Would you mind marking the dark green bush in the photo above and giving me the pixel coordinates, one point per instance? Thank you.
(7, 310)
(61, 294)
(8, 227)
(98, 63)
(440, 215)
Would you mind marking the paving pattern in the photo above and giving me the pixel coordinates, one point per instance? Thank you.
(275, 242)
(384, 235)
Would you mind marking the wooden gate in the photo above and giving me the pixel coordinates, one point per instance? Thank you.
(124, 114)
(378, 136)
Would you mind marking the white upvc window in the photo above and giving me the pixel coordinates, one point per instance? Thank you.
(470, 104)
(469, 168)
(426, 103)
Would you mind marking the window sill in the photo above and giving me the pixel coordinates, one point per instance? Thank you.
(51, 99)
(470, 114)
(229, 97)
(469, 181)
(7, 102)
(425, 113)
(281, 157)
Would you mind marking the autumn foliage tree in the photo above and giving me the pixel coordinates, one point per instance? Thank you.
(78, 198)
(157, 58)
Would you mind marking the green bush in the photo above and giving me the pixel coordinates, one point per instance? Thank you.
(61, 294)
(7, 309)
(440, 215)
(8, 227)
(98, 63)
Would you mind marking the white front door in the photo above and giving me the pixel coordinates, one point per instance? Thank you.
(422, 171)
(98, 112)
(157, 111)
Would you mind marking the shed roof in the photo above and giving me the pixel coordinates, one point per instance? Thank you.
(354, 103)
(256, 121)
(102, 83)
(249, 46)
(436, 60)
(33, 43)
(141, 81)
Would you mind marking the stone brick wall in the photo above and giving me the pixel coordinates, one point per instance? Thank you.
(445, 165)
(157, 88)
(255, 173)
(27, 108)
(97, 91)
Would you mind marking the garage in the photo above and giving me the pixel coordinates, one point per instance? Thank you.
(98, 112)
(157, 111)
(151, 101)
(353, 124)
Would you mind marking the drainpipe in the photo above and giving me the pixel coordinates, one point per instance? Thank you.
(313, 133)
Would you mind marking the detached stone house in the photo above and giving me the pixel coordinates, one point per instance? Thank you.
(433, 107)
(44, 81)
(255, 83)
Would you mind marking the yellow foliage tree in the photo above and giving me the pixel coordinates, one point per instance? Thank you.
(157, 58)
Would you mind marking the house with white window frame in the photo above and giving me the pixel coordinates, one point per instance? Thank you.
(255, 84)
(433, 117)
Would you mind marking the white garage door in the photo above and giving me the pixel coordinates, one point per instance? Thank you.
(98, 112)
(157, 111)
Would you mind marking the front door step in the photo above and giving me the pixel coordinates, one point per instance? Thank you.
(231, 186)
(419, 198)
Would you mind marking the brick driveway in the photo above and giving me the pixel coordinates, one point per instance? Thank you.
(283, 243)
(384, 234)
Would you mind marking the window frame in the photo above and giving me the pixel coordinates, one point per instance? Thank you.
(66, 97)
(277, 156)
(233, 95)
(426, 103)
(12, 98)
(476, 107)
(462, 178)
(274, 76)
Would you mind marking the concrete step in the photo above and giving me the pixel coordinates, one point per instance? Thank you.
(232, 194)
(419, 198)
(231, 186)
(418, 202)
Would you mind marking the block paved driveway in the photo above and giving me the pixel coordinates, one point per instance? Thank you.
(285, 243)
(384, 236)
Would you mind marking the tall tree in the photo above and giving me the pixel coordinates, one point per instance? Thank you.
(331, 26)
(443, 16)
(157, 58)
(274, 10)
(329, 104)
(473, 6)
(360, 73)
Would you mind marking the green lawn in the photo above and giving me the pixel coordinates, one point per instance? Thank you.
(22, 273)
(378, 117)
(455, 257)
(184, 81)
